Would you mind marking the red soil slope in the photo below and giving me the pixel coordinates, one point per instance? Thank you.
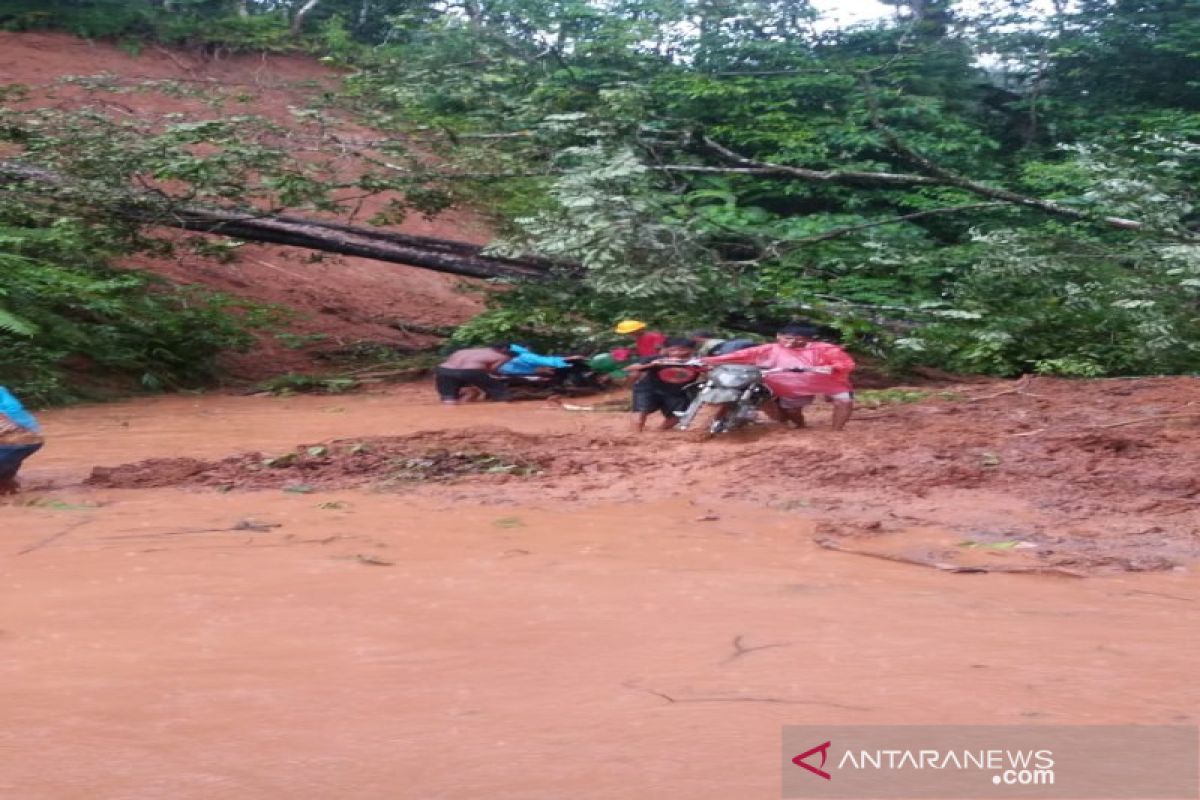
(350, 300)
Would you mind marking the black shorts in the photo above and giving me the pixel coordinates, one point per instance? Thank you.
(11, 456)
(450, 382)
(647, 400)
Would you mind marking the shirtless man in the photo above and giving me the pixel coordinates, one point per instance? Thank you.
(472, 367)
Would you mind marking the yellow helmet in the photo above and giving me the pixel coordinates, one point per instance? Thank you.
(629, 326)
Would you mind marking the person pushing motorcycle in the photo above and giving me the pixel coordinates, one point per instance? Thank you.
(662, 384)
(808, 368)
(471, 369)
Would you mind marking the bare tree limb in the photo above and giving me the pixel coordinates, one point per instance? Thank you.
(938, 176)
(824, 176)
(298, 20)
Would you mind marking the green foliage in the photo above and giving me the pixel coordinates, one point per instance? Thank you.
(899, 271)
(608, 217)
(298, 341)
(542, 326)
(293, 383)
(876, 398)
(584, 127)
(97, 18)
(1067, 305)
(214, 25)
(68, 321)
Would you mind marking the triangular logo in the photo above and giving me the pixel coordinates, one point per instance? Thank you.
(823, 749)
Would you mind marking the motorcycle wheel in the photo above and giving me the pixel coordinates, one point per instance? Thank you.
(702, 425)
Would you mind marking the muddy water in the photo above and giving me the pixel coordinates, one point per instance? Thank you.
(381, 645)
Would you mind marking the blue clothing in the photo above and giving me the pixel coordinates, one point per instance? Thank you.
(527, 362)
(12, 413)
(11, 407)
(11, 456)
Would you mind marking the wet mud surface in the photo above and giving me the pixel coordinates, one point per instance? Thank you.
(541, 605)
(1089, 475)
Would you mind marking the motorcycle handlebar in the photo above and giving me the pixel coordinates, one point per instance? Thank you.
(772, 371)
(698, 363)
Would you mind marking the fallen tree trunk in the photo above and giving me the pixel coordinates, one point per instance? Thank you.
(443, 245)
(440, 255)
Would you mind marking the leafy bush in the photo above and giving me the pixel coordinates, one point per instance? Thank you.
(90, 18)
(211, 24)
(67, 319)
(296, 383)
(228, 34)
(1069, 306)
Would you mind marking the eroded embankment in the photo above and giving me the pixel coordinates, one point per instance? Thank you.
(336, 306)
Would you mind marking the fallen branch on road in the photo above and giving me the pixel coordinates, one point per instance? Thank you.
(830, 544)
(242, 525)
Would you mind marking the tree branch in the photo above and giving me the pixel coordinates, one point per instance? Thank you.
(825, 176)
(948, 177)
(938, 176)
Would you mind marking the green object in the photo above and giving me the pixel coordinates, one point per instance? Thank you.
(1005, 545)
(606, 364)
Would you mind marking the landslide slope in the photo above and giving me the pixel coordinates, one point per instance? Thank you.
(347, 300)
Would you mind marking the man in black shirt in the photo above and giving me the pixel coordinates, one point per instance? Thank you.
(662, 382)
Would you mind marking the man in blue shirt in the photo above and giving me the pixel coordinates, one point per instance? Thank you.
(20, 437)
(527, 362)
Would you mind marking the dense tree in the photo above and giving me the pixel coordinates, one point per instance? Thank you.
(987, 187)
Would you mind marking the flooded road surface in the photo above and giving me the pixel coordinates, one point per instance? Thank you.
(194, 644)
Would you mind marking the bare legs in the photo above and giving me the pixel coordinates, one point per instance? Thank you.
(842, 409)
(638, 422)
(795, 416)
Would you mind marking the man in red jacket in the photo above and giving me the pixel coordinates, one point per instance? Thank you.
(823, 369)
(645, 343)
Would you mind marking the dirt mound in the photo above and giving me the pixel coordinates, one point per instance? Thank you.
(340, 303)
(1086, 474)
(396, 462)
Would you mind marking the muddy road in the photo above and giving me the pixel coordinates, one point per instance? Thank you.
(374, 597)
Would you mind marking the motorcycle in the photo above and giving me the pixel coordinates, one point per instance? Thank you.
(575, 380)
(728, 398)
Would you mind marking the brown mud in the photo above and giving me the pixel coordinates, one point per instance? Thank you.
(1068, 482)
(545, 606)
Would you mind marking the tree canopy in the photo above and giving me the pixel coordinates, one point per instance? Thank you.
(991, 187)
